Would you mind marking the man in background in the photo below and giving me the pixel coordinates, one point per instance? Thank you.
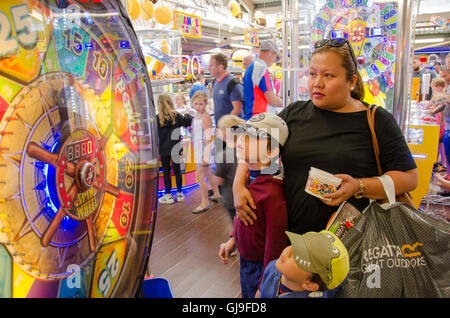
(246, 61)
(258, 87)
(227, 99)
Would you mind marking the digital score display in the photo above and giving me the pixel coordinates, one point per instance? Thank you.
(376, 32)
(336, 34)
(79, 149)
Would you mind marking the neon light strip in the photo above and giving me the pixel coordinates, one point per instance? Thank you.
(185, 188)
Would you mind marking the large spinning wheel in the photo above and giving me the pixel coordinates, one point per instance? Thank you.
(78, 165)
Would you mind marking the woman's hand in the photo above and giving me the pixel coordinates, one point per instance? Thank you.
(244, 204)
(347, 189)
(243, 201)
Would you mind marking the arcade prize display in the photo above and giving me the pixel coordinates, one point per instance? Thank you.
(77, 151)
(161, 45)
(162, 50)
(371, 29)
(190, 66)
(422, 135)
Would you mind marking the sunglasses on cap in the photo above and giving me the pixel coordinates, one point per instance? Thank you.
(252, 130)
(337, 43)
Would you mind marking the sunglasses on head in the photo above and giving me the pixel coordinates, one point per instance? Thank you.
(337, 43)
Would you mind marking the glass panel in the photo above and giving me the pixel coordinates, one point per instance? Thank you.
(414, 136)
(162, 51)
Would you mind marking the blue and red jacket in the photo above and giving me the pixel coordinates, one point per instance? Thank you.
(256, 81)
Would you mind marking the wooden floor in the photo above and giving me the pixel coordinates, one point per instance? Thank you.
(186, 247)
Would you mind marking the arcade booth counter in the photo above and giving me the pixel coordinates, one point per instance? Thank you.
(78, 156)
(422, 135)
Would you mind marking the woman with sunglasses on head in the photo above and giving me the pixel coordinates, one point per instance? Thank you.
(331, 132)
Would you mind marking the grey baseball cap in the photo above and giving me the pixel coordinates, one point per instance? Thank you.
(269, 45)
(265, 125)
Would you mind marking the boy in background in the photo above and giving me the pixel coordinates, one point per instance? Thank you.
(226, 166)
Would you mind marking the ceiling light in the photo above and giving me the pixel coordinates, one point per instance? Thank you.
(241, 46)
(429, 40)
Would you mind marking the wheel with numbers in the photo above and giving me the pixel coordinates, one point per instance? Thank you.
(78, 162)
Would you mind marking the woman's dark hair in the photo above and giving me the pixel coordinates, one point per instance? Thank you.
(349, 65)
(318, 280)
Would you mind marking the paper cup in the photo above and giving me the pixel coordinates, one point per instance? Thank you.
(321, 183)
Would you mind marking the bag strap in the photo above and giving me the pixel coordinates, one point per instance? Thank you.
(376, 147)
(231, 84)
(389, 188)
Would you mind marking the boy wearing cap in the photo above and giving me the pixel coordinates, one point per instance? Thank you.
(263, 241)
(226, 160)
(258, 87)
(314, 265)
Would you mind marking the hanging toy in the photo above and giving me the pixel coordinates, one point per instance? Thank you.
(278, 24)
(155, 65)
(235, 9)
(260, 18)
(163, 14)
(147, 10)
(134, 9)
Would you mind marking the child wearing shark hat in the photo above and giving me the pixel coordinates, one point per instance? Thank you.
(314, 265)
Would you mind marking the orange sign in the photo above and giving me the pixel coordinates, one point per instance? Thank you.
(189, 25)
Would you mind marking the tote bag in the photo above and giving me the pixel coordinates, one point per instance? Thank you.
(397, 251)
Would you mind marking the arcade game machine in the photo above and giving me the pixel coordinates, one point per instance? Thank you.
(422, 136)
(77, 151)
(371, 29)
(162, 50)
